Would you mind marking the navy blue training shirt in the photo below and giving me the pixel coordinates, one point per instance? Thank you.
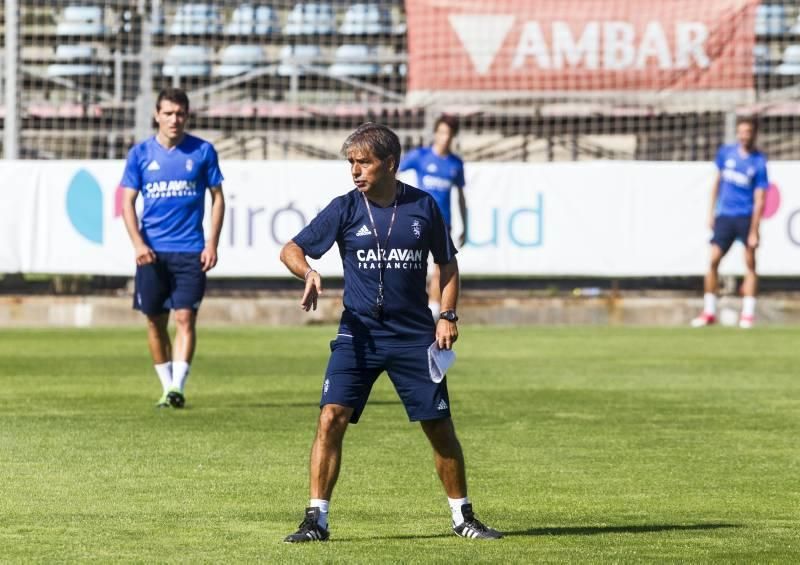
(418, 230)
(173, 183)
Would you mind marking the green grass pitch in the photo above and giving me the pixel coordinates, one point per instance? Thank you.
(583, 445)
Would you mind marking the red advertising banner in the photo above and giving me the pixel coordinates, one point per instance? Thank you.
(583, 45)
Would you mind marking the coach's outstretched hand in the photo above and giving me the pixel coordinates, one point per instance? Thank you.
(312, 292)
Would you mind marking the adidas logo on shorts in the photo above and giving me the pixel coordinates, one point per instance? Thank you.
(363, 231)
(442, 405)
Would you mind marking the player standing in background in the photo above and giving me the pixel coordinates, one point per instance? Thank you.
(172, 170)
(385, 231)
(438, 171)
(737, 203)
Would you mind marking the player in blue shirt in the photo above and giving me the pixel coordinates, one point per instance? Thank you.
(737, 204)
(384, 230)
(438, 170)
(172, 171)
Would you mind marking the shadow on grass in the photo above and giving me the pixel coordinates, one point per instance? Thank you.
(574, 531)
(302, 404)
(272, 405)
(599, 530)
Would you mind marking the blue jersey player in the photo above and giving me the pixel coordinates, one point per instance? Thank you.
(385, 231)
(172, 171)
(737, 204)
(438, 171)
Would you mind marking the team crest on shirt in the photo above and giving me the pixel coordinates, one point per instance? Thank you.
(432, 168)
(751, 171)
(189, 164)
(416, 229)
(730, 163)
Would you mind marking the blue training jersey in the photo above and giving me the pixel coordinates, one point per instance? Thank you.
(173, 183)
(740, 177)
(436, 175)
(418, 230)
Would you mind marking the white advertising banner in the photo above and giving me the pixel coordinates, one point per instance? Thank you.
(602, 218)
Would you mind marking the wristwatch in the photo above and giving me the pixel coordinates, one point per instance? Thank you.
(449, 315)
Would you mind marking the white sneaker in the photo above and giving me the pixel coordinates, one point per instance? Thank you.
(746, 322)
(704, 320)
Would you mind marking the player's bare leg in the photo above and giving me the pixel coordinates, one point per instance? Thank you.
(158, 338)
(749, 289)
(185, 335)
(183, 352)
(161, 351)
(710, 288)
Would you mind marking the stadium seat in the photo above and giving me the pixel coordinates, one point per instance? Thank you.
(294, 57)
(156, 20)
(78, 60)
(248, 19)
(771, 20)
(365, 19)
(187, 61)
(310, 19)
(196, 19)
(82, 20)
(791, 61)
(239, 59)
(354, 60)
(267, 21)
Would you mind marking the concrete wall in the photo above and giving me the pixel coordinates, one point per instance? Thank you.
(475, 308)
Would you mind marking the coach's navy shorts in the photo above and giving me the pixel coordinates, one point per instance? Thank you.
(728, 229)
(356, 364)
(176, 281)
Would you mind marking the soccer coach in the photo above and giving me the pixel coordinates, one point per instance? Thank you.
(385, 231)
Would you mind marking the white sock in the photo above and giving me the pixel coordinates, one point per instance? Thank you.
(749, 306)
(435, 307)
(180, 372)
(164, 372)
(455, 509)
(323, 510)
(710, 303)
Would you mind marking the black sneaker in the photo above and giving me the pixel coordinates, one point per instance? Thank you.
(473, 528)
(176, 398)
(309, 529)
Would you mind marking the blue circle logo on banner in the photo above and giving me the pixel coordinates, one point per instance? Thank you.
(85, 206)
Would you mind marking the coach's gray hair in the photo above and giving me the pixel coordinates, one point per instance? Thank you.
(377, 138)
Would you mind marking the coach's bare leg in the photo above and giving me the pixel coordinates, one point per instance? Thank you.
(712, 276)
(326, 453)
(158, 338)
(185, 336)
(447, 455)
(750, 283)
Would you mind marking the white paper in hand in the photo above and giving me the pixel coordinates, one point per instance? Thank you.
(439, 361)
